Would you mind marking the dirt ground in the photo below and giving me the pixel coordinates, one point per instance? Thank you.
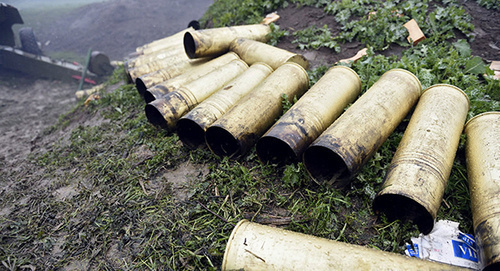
(28, 106)
(486, 43)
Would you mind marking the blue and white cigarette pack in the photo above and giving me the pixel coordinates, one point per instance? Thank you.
(446, 244)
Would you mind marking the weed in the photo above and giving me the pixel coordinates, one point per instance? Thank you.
(227, 12)
(276, 34)
(316, 74)
(286, 102)
(489, 4)
(314, 38)
(381, 23)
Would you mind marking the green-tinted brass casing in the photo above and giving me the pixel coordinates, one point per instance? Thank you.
(483, 170)
(309, 116)
(238, 129)
(418, 174)
(166, 111)
(252, 51)
(216, 41)
(152, 90)
(346, 145)
(191, 128)
(252, 246)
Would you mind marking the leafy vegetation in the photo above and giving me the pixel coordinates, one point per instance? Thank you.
(314, 38)
(489, 4)
(276, 34)
(130, 208)
(227, 12)
(381, 23)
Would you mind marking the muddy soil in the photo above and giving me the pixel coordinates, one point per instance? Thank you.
(30, 105)
(310, 16)
(27, 107)
(486, 42)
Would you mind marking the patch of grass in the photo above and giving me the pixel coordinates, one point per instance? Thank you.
(287, 103)
(489, 4)
(276, 34)
(227, 12)
(378, 24)
(314, 38)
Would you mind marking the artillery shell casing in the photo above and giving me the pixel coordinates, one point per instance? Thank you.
(237, 130)
(156, 56)
(216, 41)
(166, 111)
(152, 90)
(191, 128)
(417, 176)
(170, 71)
(252, 51)
(483, 170)
(252, 246)
(177, 62)
(309, 116)
(172, 40)
(346, 145)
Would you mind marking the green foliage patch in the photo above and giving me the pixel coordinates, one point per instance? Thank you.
(489, 4)
(314, 38)
(378, 24)
(228, 12)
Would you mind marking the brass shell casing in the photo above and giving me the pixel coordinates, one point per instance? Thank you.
(346, 145)
(155, 56)
(418, 174)
(216, 41)
(309, 116)
(252, 51)
(191, 128)
(166, 111)
(170, 71)
(173, 65)
(252, 246)
(161, 44)
(152, 90)
(237, 130)
(483, 170)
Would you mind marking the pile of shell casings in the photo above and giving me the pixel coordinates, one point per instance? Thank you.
(224, 88)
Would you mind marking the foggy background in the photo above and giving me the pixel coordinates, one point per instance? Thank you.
(67, 29)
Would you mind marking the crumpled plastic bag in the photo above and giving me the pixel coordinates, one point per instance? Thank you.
(446, 244)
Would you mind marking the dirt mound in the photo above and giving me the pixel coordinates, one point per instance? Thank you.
(486, 42)
(117, 27)
(293, 18)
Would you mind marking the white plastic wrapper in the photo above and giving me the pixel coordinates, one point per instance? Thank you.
(446, 244)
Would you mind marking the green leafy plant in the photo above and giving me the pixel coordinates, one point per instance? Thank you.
(489, 4)
(314, 38)
(381, 23)
(286, 102)
(276, 34)
(228, 12)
